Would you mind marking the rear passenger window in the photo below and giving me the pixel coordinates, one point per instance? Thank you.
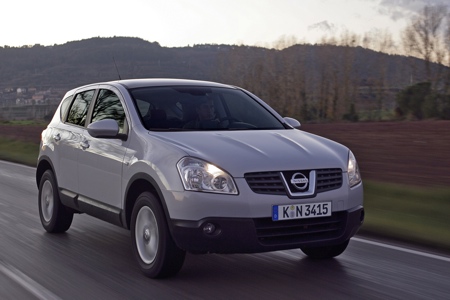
(65, 106)
(79, 108)
(108, 106)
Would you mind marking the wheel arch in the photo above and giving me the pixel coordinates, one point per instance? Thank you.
(138, 184)
(44, 164)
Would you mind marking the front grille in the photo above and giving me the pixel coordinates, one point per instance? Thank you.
(328, 179)
(272, 183)
(295, 231)
(266, 183)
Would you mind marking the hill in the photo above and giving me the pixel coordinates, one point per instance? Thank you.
(307, 81)
(85, 61)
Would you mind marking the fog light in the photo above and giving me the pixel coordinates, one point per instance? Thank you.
(209, 228)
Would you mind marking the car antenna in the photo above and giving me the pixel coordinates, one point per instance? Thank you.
(117, 69)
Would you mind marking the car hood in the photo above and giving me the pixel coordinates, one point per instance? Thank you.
(240, 152)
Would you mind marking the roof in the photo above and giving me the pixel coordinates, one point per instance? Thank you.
(146, 82)
(153, 82)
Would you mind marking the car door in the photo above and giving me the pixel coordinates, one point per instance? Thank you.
(101, 159)
(68, 136)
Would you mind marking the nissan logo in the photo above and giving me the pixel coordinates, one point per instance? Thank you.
(299, 181)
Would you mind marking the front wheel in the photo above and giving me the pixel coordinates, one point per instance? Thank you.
(325, 251)
(157, 254)
(55, 217)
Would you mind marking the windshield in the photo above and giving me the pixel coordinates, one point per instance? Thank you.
(201, 108)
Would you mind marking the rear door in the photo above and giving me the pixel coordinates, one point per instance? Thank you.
(68, 139)
(100, 160)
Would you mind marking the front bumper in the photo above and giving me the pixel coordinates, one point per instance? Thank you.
(244, 235)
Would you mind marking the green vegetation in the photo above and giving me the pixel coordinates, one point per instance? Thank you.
(18, 151)
(421, 102)
(24, 122)
(416, 214)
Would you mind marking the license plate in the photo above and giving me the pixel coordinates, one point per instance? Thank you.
(301, 211)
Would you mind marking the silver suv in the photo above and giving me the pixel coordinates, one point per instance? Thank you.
(195, 166)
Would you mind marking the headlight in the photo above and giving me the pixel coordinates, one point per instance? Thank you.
(198, 175)
(354, 177)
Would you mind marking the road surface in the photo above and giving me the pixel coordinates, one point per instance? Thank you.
(93, 260)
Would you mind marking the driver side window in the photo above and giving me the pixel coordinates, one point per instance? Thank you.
(78, 110)
(108, 106)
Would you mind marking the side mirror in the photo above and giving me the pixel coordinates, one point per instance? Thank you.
(292, 122)
(107, 128)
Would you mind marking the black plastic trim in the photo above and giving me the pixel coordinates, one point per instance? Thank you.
(239, 235)
(91, 207)
(149, 179)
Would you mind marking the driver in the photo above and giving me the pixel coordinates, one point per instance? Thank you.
(206, 116)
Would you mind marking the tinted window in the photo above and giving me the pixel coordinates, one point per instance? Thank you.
(79, 108)
(108, 106)
(65, 106)
(200, 108)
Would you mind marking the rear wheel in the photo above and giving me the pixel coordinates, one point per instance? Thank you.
(325, 251)
(55, 217)
(157, 254)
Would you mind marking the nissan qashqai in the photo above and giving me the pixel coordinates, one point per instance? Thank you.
(195, 166)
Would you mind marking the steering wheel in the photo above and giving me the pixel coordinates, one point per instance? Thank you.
(228, 119)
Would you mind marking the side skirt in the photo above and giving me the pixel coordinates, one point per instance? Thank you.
(91, 207)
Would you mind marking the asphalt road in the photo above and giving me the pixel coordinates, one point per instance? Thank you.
(93, 261)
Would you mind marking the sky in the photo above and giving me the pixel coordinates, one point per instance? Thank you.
(179, 23)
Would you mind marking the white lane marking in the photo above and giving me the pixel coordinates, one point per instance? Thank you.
(26, 282)
(420, 253)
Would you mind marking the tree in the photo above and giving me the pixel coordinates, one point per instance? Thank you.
(447, 48)
(348, 86)
(383, 42)
(418, 100)
(423, 36)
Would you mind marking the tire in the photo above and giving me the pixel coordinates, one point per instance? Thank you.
(55, 217)
(153, 247)
(325, 252)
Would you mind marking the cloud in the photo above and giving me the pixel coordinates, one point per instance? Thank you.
(324, 26)
(399, 9)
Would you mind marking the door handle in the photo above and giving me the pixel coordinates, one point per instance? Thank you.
(57, 137)
(84, 145)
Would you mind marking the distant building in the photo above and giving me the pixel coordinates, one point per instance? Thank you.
(21, 90)
(39, 97)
